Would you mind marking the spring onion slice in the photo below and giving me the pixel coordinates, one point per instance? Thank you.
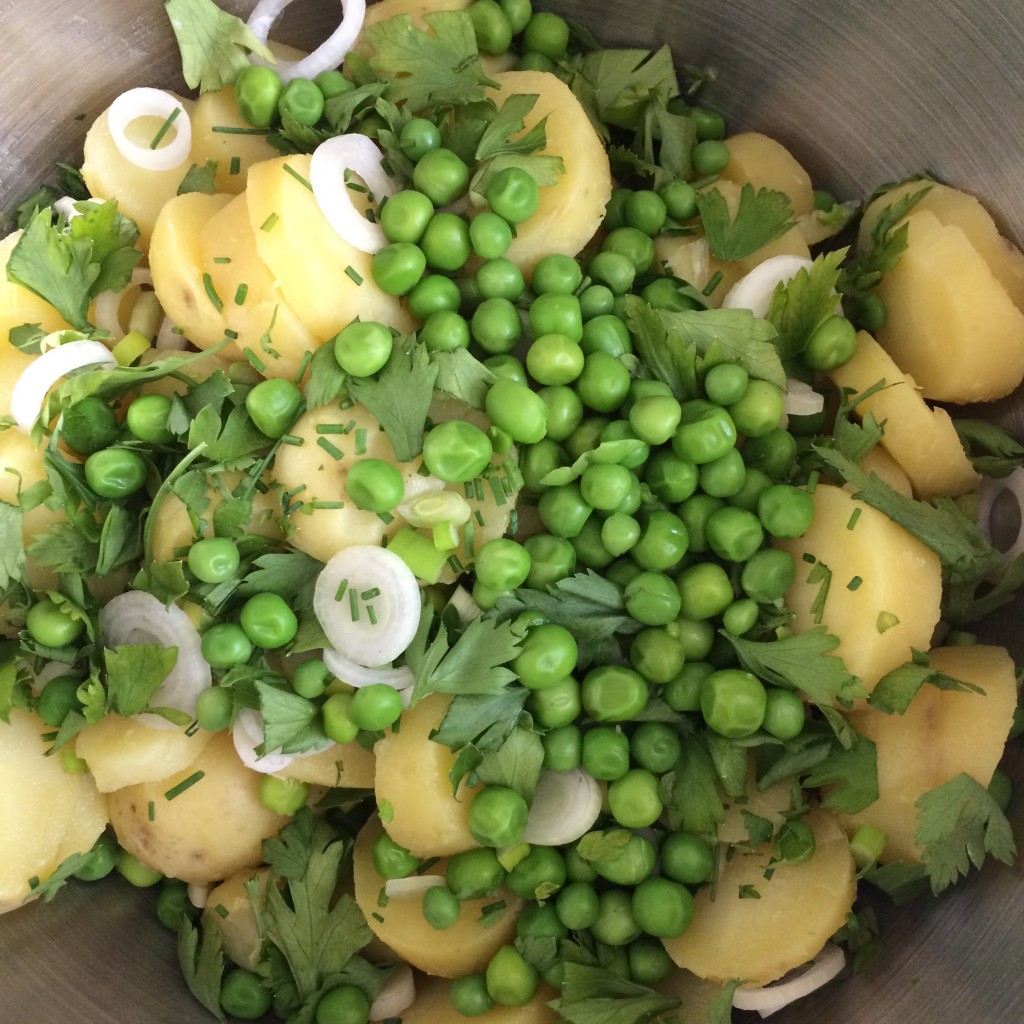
(31, 388)
(396, 996)
(411, 887)
(988, 494)
(801, 399)
(247, 734)
(136, 617)
(146, 102)
(328, 55)
(754, 291)
(368, 603)
(330, 161)
(351, 672)
(767, 1000)
(565, 806)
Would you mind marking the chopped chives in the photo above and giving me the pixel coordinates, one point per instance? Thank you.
(506, 486)
(809, 558)
(468, 488)
(854, 583)
(165, 127)
(288, 495)
(361, 441)
(236, 165)
(151, 811)
(211, 293)
(233, 335)
(221, 910)
(351, 272)
(371, 615)
(377, 917)
(331, 428)
(382, 897)
(227, 129)
(348, 426)
(479, 517)
(369, 214)
(467, 534)
(221, 259)
(513, 521)
(194, 726)
(455, 565)
(356, 187)
(298, 177)
(333, 450)
(269, 222)
(353, 605)
(427, 865)
(386, 518)
(254, 359)
(854, 516)
(240, 293)
(176, 791)
(342, 587)
(812, 481)
(713, 283)
(307, 358)
(315, 505)
(347, 403)
(478, 489)
(291, 439)
(496, 490)
(368, 595)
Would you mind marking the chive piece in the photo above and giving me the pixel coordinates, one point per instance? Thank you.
(298, 177)
(269, 222)
(427, 865)
(354, 274)
(176, 791)
(854, 583)
(468, 488)
(496, 490)
(307, 358)
(386, 518)
(194, 726)
(513, 522)
(854, 516)
(231, 335)
(812, 481)
(808, 558)
(371, 615)
(165, 127)
(467, 534)
(240, 293)
(221, 259)
(221, 910)
(342, 587)
(151, 811)
(291, 439)
(478, 489)
(227, 129)
(254, 359)
(377, 917)
(455, 565)
(713, 283)
(326, 504)
(211, 293)
(331, 428)
(356, 187)
(361, 441)
(479, 517)
(369, 595)
(333, 450)
(353, 605)
(236, 165)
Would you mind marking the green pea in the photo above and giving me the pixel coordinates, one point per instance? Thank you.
(257, 91)
(444, 331)
(391, 860)
(513, 194)
(734, 534)
(726, 383)
(431, 295)
(605, 753)
(774, 453)
(619, 533)
(89, 426)
(215, 707)
(786, 511)
(397, 267)
(655, 418)
(705, 433)
(606, 333)
(557, 274)
(441, 907)
(586, 437)
(456, 451)
(547, 654)
(768, 575)
(537, 460)
(225, 645)
(489, 234)
(491, 25)
(54, 625)
(740, 617)
(733, 702)
(590, 550)
(375, 707)
(680, 199)
(57, 699)
(374, 485)
(563, 748)
(547, 34)
(649, 962)
(687, 858)
(345, 1004)
(363, 347)
(704, 590)
(614, 693)
(469, 995)
(243, 995)
(147, 418)
(405, 216)
(577, 905)
(710, 157)
(603, 383)
(268, 621)
(759, 410)
(115, 472)
(833, 343)
(418, 137)
(784, 715)
(551, 559)
(596, 300)
(101, 861)
(652, 598)
(502, 564)
(337, 721)
(646, 211)
(133, 871)
(615, 924)
(755, 482)
(670, 478)
(540, 874)
(615, 270)
(655, 746)
(683, 692)
(634, 799)
(446, 242)
(871, 313)
(517, 410)
(511, 979)
(274, 405)
(662, 907)
(282, 796)
(302, 101)
(333, 83)
(497, 816)
(563, 510)
(500, 279)
(557, 704)
(636, 246)
(656, 654)
(518, 13)
(605, 485)
(564, 410)
(441, 175)
(663, 542)
(667, 293)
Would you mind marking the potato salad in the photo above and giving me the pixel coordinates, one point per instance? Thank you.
(479, 538)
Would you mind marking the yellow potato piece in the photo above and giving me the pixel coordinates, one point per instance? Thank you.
(462, 949)
(942, 734)
(433, 1005)
(772, 803)
(229, 910)
(572, 209)
(217, 110)
(766, 163)
(951, 206)
(413, 789)
(343, 765)
(123, 751)
(922, 440)
(951, 324)
(759, 940)
(884, 466)
(308, 258)
(686, 256)
(898, 576)
(175, 259)
(140, 193)
(254, 308)
(46, 814)
(209, 831)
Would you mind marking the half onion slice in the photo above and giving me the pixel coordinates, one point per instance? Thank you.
(247, 734)
(351, 672)
(146, 102)
(565, 807)
(767, 1000)
(988, 495)
(754, 291)
(396, 996)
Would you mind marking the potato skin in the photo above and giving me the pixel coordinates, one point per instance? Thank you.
(208, 832)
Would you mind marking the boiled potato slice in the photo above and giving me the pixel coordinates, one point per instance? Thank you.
(572, 209)
(922, 440)
(951, 324)
(140, 193)
(229, 910)
(123, 752)
(884, 466)
(342, 765)
(433, 1005)
(207, 832)
(772, 803)
(686, 257)
(951, 206)
(462, 949)
(759, 940)
(216, 110)
(175, 259)
(46, 814)
(254, 307)
(413, 789)
(899, 577)
(308, 258)
(942, 734)
(766, 163)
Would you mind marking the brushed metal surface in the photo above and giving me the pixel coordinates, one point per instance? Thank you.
(863, 91)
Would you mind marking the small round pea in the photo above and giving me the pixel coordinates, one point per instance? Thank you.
(337, 721)
(547, 34)
(563, 748)
(710, 156)
(615, 924)
(557, 274)
(243, 995)
(768, 575)
(551, 559)
(225, 645)
(605, 753)
(786, 511)
(759, 410)
(557, 704)
(577, 905)
(273, 406)
(489, 234)
(833, 343)
(655, 746)
(872, 313)
(500, 279)
(173, 905)
(733, 702)
(603, 383)
(705, 590)
(282, 796)
(431, 294)
(563, 510)
(547, 654)
(662, 908)
(784, 714)
(446, 242)
(649, 961)
(564, 410)
(115, 472)
(655, 418)
(606, 333)
(496, 326)
(726, 383)
(302, 101)
(502, 564)
(683, 692)
(333, 83)
(257, 91)
(614, 693)
(491, 25)
(418, 137)
(54, 625)
(680, 199)
(511, 979)
(652, 598)
(57, 699)
(614, 270)
(441, 907)
(375, 707)
(636, 246)
(441, 175)
(734, 534)
(686, 857)
(646, 211)
(517, 410)
(363, 347)
(469, 995)
(657, 654)
(456, 451)
(147, 418)
(497, 816)
(345, 1004)
(133, 871)
(89, 426)
(268, 621)
(101, 861)
(397, 267)
(513, 194)
(540, 874)
(405, 216)
(634, 799)
(705, 433)
(374, 485)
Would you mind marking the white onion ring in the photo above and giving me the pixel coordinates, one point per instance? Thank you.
(136, 617)
(327, 168)
(754, 291)
(327, 56)
(396, 996)
(247, 734)
(361, 568)
(107, 309)
(31, 388)
(801, 399)
(565, 806)
(411, 887)
(145, 102)
(351, 672)
(821, 970)
(988, 493)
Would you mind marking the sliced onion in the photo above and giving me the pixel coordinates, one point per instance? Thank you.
(331, 159)
(136, 617)
(66, 207)
(988, 494)
(767, 1000)
(328, 55)
(351, 672)
(396, 996)
(170, 337)
(463, 603)
(31, 388)
(565, 806)
(247, 733)
(198, 895)
(395, 608)
(146, 102)
(107, 310)
(411, 887)
(801, 399)
(754, 291)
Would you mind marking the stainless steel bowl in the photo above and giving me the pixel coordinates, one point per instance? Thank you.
(863, 91)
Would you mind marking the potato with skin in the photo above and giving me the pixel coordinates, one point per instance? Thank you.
(413, 789)
(922, 440)
(799, 909)
(205, 833)
(893, 608)
(46, 814)
(462, 949)
(766, 163)
(571, 210)
(942, 734)
(950, 325)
